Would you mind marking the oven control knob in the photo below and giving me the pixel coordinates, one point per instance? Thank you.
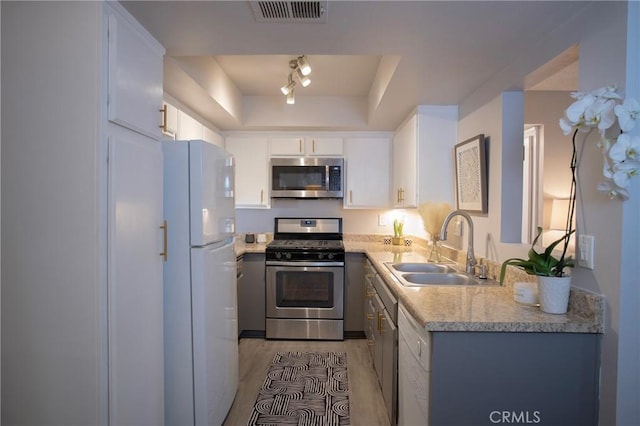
(330, 255)
(288, 255)
(278, 255)
(320, 256)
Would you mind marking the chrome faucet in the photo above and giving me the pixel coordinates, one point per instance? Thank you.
(471, 259)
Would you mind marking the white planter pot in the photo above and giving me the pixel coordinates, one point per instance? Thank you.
(553, 293)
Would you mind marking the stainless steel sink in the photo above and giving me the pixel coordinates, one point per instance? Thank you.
(417, 274)
(440, 279)
(421, 267)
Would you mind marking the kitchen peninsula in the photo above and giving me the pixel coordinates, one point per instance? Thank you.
(491, 353)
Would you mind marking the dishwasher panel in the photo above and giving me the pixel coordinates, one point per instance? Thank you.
(414, 366)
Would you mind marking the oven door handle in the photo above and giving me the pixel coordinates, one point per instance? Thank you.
(303, 264)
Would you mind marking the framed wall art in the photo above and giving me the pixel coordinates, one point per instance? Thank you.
(471, 175)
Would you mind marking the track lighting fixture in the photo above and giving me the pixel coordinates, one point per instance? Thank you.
(287, 88)
(301, 69)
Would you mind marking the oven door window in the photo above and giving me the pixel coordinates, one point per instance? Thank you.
(299, 178)
(304, 289)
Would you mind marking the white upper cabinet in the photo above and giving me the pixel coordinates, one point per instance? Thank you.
(135, 62)
(405, 165)
(213, 137)
(423, 157)
(368, 172)
(252, 170)
(307, 146)
(188, 127)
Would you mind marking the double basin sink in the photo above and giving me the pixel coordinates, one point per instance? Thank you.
(413, 274)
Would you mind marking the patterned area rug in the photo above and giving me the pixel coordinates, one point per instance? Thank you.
(304, 388)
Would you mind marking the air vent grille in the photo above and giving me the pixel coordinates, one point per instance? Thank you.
(290, 11)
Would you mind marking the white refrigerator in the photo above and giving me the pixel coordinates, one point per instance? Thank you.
(200, 304)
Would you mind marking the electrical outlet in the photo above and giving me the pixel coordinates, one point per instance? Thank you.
(382, 220)
(586, 245)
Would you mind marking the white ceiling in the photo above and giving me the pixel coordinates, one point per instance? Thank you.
(444, 51)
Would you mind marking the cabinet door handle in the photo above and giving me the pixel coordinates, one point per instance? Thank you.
(165, 251)
(300, 145)
(400, 195)
(379, 322)
(163, 118)
(369, 317)
(370, 294)
(313, 146)
(350, 197)
(261, 196)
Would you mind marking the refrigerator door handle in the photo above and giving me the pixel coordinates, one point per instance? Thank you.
(165, 231)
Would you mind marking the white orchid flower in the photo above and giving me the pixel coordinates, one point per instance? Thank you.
(578, 95)
(575, 112)
(624, 172)
(566, 126)
(626, 147)
(627, 114)
(610, 188)
(600, 114)
(607, 92)
(599, 109)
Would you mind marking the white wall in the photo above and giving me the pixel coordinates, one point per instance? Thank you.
(0, 208)
(628, 385)
(51, 319)
(353, 221)
(601, 31)
(545, 109)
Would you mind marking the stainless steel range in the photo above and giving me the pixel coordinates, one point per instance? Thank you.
(305, 279)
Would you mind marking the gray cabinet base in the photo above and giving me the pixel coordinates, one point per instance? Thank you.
(514, 378)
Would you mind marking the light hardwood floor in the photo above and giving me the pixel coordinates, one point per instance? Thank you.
(366, 406)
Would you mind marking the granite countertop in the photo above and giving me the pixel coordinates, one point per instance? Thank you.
(470, 308)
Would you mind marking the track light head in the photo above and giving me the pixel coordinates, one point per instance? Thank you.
(291, 97)
(289, 86)
(303, 65)
(303, 78)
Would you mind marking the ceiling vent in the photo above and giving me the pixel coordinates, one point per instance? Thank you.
(290, 11)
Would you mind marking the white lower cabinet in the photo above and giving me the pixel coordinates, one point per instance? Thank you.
(252, 170)
(414, 367)
(368, 172)
(135, 338)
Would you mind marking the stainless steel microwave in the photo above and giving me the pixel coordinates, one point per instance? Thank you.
(307, 177)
